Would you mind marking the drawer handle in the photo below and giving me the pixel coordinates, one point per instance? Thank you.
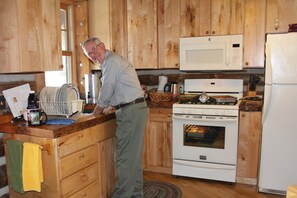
(83, 176)
(81, 156)
(80, 135)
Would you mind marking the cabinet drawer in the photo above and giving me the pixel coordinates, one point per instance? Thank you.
(91, 191)
(79, 180)
(77, 141)
(160, 114)
(78, 160)
(160, 117)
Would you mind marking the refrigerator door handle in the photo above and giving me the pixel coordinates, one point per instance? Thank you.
(268, 70)
(267, 99)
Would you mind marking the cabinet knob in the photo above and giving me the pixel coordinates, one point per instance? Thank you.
(61, 66)
(246, 63)
(207, 32)
(83, 176)
(243, 115)
(82, 155)
(213, 32)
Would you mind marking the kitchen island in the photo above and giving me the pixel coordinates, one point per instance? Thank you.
(77, 159)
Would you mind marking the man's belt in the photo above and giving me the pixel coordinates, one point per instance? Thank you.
(138, 100)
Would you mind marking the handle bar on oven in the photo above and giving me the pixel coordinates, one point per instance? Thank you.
(205, 118)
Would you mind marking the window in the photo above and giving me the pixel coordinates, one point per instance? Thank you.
(58, 78)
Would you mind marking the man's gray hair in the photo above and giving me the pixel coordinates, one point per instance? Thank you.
(91, 39)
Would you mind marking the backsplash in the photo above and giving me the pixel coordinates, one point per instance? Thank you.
(150, 78)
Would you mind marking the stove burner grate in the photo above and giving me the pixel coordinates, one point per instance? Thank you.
(194, 99)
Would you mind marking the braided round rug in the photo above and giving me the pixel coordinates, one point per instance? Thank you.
(158, 189)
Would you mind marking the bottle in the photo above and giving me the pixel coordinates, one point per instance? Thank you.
(31, 106)
(32, 102)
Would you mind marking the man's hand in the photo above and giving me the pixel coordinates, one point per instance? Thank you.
(108, 110)
(98, 110)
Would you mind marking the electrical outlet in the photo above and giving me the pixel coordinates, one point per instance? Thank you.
(181, 88)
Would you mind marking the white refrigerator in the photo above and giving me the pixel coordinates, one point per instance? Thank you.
(278, 164)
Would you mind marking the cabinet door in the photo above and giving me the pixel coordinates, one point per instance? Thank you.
(227, 17)
(248, 147)
(158, 141)
(20, 36)
(279, 14)
(142, 33)
(195, 18)
(107, 174)
(254, 33)
(99, 22)
(211, 17)
(119, 27)
(31, 36)
(51, 35)
(168, 33)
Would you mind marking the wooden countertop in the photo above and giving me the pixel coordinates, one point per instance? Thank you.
(292, 192)
(83, 121)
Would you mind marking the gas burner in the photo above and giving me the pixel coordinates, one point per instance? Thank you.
(194, 99)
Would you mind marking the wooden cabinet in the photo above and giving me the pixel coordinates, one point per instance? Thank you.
(51, 35)
(146, 33)
(279, 14)
(195, 18)
(142, 33)
(212, 17)
(102, 30)
(168, 33)
(250, 128)
(80, 164)
(158, 141)
(128, 28)
(30, 35)
(254, 33)
(153, 32)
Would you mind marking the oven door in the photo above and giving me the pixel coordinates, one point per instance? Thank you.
(210, 139)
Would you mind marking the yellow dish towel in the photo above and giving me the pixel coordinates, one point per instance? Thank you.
(32, 167)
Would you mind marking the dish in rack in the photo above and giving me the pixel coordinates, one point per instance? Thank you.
(64, 100)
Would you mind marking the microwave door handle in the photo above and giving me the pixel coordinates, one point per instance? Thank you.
(228, 48)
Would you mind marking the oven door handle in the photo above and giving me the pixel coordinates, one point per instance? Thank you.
(205, 118)
(205, 165)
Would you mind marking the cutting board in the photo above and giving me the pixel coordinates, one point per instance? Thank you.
(17, 99)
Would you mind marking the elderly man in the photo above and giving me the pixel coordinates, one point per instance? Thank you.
(121, 90)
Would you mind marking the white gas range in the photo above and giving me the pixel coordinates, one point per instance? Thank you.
(205, 129)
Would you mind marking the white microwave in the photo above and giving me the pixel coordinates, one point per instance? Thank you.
(211, 53)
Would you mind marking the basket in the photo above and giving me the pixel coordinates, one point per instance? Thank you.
(160, 96)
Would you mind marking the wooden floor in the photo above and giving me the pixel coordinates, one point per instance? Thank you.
(199, 188)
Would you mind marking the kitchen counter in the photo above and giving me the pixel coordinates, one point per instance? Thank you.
(250, 105)
(82, 121)
(89, 144)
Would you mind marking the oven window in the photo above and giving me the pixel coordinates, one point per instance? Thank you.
(204, 136)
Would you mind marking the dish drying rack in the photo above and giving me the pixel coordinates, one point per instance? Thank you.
(66, 108)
